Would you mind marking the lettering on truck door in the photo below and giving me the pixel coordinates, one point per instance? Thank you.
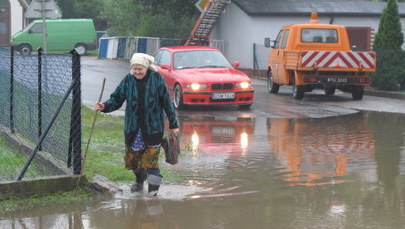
(284, 78)
(277, 55)
(274, 57)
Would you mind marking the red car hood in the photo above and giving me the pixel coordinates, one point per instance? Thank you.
(211, 75)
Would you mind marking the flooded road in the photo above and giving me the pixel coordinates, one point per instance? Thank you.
(259, 172)
(315, 163)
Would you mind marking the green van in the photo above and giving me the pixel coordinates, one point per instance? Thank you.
(63, 35)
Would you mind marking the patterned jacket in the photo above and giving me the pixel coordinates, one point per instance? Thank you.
(157, 99)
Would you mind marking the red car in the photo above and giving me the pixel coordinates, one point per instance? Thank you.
(201, 75)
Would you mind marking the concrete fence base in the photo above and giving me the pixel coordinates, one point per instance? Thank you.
(40, 186)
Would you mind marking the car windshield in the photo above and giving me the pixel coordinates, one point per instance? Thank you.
(200, 59)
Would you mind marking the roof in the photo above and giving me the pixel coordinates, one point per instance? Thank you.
(323, 7)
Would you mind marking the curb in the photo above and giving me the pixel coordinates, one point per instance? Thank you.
(367, 91)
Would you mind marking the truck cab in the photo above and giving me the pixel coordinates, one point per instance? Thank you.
(313, 55)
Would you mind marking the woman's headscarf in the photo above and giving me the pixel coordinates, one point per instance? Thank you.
(144, 60)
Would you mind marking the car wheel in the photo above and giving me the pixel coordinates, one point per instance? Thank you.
(245, 106)
(178, 98)
(357, 92)
(81, 49)
(298, 91)
(25, 49)
(271, 86)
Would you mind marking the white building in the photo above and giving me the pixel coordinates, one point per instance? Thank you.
(11, 19)
(245, 23)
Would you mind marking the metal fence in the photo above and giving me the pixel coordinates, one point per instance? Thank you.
(40, 121)
(260, 55)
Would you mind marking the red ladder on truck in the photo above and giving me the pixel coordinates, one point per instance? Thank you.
(204, 24)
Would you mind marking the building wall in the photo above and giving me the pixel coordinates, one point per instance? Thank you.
(17, 22)
(241, 31)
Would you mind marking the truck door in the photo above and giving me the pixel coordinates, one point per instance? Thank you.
(284, 77)
(277, 58)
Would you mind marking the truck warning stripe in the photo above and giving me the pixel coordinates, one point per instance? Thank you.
(338, 59)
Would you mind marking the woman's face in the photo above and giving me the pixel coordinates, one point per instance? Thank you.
(139, 71)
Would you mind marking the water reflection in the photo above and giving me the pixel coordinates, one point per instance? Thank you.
(314, 149)
(217, 135)
(342, 172)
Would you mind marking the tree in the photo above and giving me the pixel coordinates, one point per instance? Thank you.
(84, 9)
(388, 41)
(149, 18)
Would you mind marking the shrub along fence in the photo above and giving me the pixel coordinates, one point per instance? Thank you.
(40, 121)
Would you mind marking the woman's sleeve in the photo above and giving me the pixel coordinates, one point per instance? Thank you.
(117, 98)
(167, 104)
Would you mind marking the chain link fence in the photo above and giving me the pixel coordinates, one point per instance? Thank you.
(40, 122)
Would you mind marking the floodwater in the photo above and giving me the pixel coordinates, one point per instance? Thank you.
(253, 172)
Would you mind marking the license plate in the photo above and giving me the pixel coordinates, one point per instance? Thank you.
(336, 80)
(229, 95)
(218, 130)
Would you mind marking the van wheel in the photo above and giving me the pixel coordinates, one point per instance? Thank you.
(357, 92)
(81, 49)
(271, 86)
(298, 91)
(25, 49)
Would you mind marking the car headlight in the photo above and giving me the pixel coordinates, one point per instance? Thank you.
(196, 86)
(244, 85)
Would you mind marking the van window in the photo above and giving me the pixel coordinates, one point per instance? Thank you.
(277, 41)
(319, 35)
(37, 28)
(285, 37)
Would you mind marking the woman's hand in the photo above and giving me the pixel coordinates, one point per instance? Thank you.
(99, 106)
(175, 131)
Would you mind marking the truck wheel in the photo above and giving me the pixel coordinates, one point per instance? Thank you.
(357, 92)
(81, 49)
(298, 91)
(25, 49)
(271, 86)
(329, 90)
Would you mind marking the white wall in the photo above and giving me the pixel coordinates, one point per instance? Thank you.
(233, 27)
(16, 16)
(240, 31)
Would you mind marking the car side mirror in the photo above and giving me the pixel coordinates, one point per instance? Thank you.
(165, 66)
(267, 42)
(235, 64)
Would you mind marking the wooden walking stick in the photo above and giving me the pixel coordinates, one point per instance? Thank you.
(91, 133)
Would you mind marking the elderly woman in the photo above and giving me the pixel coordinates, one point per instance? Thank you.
(146, 94)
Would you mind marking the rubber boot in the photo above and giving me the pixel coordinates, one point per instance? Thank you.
(154, 184)
(140, 174)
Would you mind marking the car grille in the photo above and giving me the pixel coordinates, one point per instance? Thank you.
(222, 86)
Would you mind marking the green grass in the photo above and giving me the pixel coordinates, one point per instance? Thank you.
(106, 151)
(77, 196)
(104, 157)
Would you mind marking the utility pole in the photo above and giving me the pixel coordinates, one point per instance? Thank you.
(45, 38)
(43, 9)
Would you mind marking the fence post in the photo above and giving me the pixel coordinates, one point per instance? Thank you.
(40, 95)
(75, 123)
(12, 90)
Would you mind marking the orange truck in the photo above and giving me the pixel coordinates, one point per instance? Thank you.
(317, 56)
